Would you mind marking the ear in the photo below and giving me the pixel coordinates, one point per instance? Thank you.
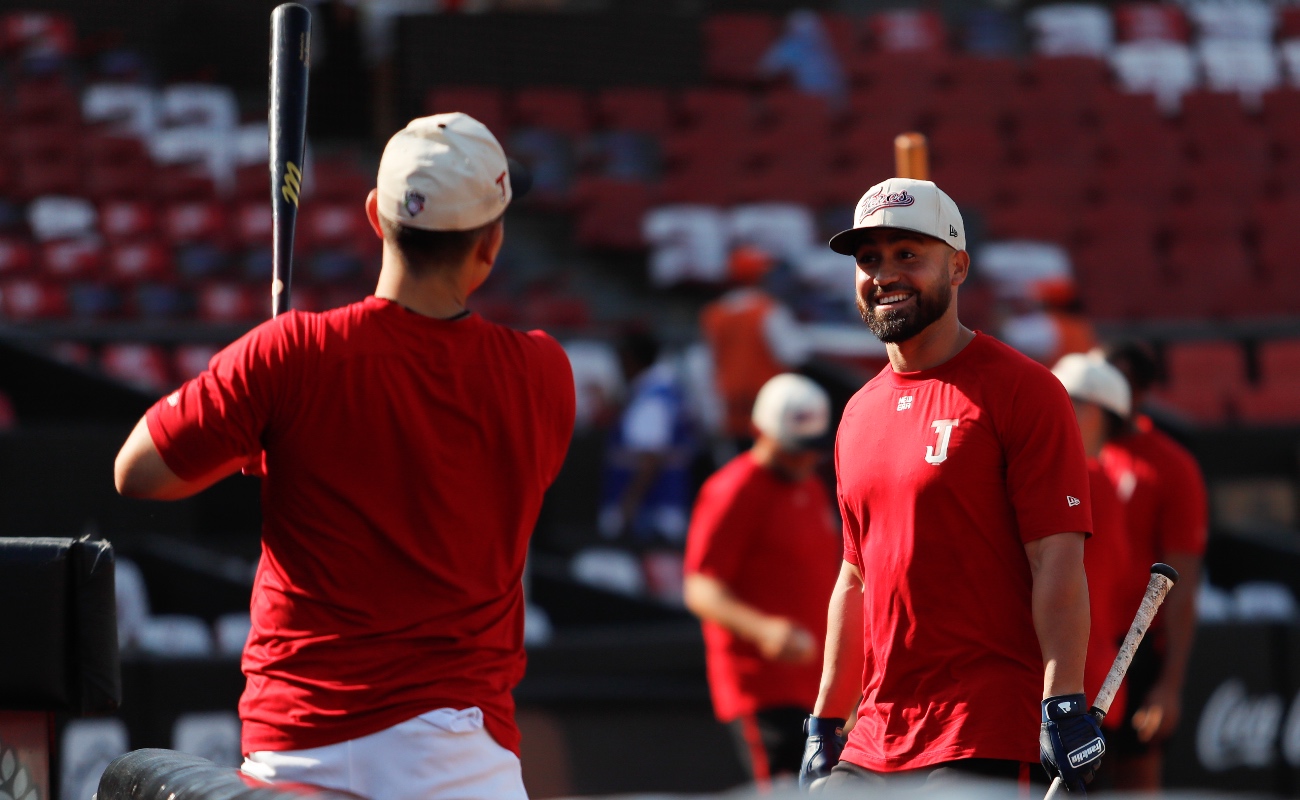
(372, 212)
(489, 244)
(959, 267)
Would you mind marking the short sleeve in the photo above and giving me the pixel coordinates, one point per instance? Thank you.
(1047, 474)
(720, 525)
(222, 414)
(1182, 515)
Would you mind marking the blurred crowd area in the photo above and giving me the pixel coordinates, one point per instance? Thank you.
(1128, 170)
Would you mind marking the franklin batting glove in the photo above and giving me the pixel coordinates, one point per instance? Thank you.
(822, 750)
(1070, 743)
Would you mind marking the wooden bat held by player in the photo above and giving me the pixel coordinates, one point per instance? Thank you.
(287, 120)
(912, 156)
(1163, 578)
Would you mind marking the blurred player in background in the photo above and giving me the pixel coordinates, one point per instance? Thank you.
(761, 558)
(404, 445)
(1102, 404)
(962, 600)
(1163, 493)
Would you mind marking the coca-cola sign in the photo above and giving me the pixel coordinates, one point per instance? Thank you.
(1238, 729)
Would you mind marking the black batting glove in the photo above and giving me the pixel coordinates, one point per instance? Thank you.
(1070, 743)
(822, 750)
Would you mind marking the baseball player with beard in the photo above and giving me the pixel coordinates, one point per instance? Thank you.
(959, 622)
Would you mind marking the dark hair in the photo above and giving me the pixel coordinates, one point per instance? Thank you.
(1136, 361)
(639, 346)
(1113, 424)
(425, 251)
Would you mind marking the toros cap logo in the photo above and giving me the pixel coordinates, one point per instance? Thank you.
(413, 203)
(873, 203)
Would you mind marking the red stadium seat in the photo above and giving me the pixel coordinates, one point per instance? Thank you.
(901, 75)
(337, 180)
(1279, 362)
(142, 365)
(1207, 405)
(45, 102)
(135, 261)
(798, 109)
(557, 311)
(36, 178)
(189, 360)
(1047, 140)
(558, 109)
(723, 109)
(1281, 108)
(1201, 108)
(333, 225)
(25, 299)
(253, 224)
(968, 141)
(644, 110)
(609, 213)
(1062, 185)
(1039, 221)
(69, 259)
(984, 77)
(968, 184)
(130, 182)
(845, 34)
(1119, 222)
(1147, 21)
(486, 104)
(1205, 220)
(1068, 75)
(711, 182)
(907, 30)
(734, 44)
(883, 107)
(17, 256)
(784, 182)
(195, 222)
(1269, 405)
(226, 302)
(125, 220)
(1288, 26)
(1192, 363)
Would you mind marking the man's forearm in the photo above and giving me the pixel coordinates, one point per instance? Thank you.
(1060, 609)
(841, 683)
(710, 599)
(1180, 618)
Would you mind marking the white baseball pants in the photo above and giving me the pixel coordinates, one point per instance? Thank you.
(441, 755)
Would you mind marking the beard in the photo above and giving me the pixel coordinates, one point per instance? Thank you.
(894, 326)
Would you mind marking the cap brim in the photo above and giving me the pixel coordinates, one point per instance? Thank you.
(846, 242)
(823, 442)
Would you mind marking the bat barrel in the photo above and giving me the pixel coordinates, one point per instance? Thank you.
(290, 60)
(1162, 580)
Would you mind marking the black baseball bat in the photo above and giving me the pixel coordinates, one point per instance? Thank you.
(290, 58)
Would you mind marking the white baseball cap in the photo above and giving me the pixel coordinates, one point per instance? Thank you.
(446, 172)
(794, 411)
(909, 205)
(1089, 377)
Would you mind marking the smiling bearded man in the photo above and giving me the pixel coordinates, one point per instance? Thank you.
(960, 616)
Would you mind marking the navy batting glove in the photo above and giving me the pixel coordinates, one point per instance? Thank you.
(1070, 743)
(822, 750)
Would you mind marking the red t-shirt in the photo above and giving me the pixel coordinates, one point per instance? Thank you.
(776, 546)
(1109, 565)
(405, 460)
(1164, 498)
(944, 476)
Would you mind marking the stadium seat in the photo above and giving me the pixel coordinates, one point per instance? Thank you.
(1042, 140)
(1246, 68)
(253, 224)
(190, 360)
(72, 259)
(1136, 22)
(127, 220)
(1166, 69)
(1241, 20)
(1279, 363)
(1029, 220)
(716, 108)
(967, 140)
(1208, 218)
(1204, 377)
(337, 180)
(1268, 405)
(885, 107)
(1061, 184)
(17, 257)
(93, 300)
(226, 302)
(141, 365)
(554, 108)
(26, 299)
(907, 30)
(192, 157)
(609, 213)
(734, 43)
(135, 261)
(121, 108)
(45, 102)
(199, 105)
(40, 31)
(909, 75)
(487, 104)
(53, 217)
(194, 222)
(1071, 29)
(644, 110)
(333, 225)
(545, 310)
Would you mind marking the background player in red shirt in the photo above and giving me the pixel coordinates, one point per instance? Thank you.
(761, 558)
(1101, 404)
(404, 445)
(1165, 505)
(962, 601)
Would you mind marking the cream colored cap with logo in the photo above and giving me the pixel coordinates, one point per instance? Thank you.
(909, 205)
(1089, 377)
(446, 172)
(793, 410)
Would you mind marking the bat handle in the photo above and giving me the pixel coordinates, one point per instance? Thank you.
(1057, 783)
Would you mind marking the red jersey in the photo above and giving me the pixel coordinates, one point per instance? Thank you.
(405, 460)
(1164, 498)
(1108, 562)
(944, 476)
(775, 545)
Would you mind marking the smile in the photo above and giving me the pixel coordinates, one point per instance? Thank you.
(893, 298)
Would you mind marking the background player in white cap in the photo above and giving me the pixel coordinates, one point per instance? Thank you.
(404, 445)
(961, 601)
(1102, 403)
(761, 558)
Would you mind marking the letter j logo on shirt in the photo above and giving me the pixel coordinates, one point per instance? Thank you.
(938, 453)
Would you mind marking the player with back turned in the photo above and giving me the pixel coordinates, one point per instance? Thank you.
(404, 445)
(960, 615)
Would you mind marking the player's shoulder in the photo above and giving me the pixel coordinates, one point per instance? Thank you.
(1165, 451)
(996, 357)
(880, 382)
(733, 480)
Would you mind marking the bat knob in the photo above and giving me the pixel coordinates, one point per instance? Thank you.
(1166, 570)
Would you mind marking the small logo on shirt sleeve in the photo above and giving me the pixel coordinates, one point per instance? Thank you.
(174, 399)
(904, 403)
(1073, 501)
